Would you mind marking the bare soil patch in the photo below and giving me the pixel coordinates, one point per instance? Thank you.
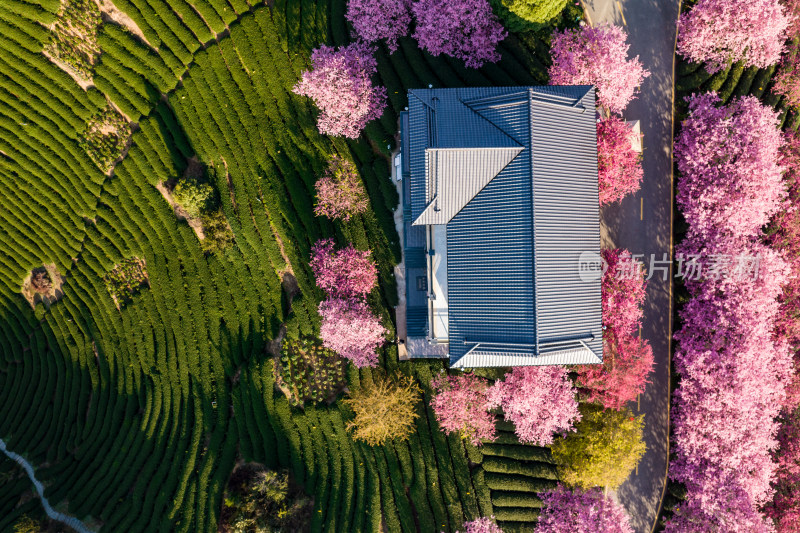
(43, 284)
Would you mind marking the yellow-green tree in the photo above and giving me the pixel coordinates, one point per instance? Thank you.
(27, 524)
(521, 15)
(606, 446)
(384, 410)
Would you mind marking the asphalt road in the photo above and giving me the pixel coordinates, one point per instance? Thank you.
(642, 223)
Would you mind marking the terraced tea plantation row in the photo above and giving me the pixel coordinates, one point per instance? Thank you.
(135, 412)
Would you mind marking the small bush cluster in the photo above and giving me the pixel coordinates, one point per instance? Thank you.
(257, 499)
(340, 192)
(126, 279)
(105, 137)
(74, 36)
(309, 371)
(41, 281)
(199, 200)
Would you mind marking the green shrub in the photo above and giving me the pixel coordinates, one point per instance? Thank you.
(105, 137)
(218, 234)
(74, 38)
(257, 499)
(194, 197)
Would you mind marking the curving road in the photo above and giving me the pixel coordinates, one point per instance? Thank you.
(643, 224)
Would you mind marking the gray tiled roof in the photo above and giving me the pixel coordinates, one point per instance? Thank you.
(455, 175)
(513, 239)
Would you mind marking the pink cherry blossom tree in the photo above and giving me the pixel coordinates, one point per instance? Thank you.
(623, 291)
(619, 165)
(727, 156)
(597, 56)
(784, 509)
(734, 369)
(460, 404)
(733, 512)
(340, 85)
(716, 32)
(346, 273)
(482, 525)
(465, 29)
(627, 362)
(374, 20)
(733, 378)
(340, 192)
(787, 80)
(350, 329)
(578, 511)
(627, 359)
(785, 237)
(539, 400)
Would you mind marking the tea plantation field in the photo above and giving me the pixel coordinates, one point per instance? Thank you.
(135, 408)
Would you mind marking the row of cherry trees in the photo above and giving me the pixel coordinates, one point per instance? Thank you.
(340, 80)
(599, 56)
(733, 370)
(733, 349)
(784, 509)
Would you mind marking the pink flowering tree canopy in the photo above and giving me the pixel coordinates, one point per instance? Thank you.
(578, 511)
(733, 377)
(374, 20)
(340, 192)
(460, 404)
(787, 79)
(350, 329)
(340, 85)
(627, 359)
(345, 273)
(717, 32)
(597, 56)
(627, 362)
(482, 525)
(539, 400)
(623, 291)
(465, 29)
(727, 156)
(619, 165)
(784, 509)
